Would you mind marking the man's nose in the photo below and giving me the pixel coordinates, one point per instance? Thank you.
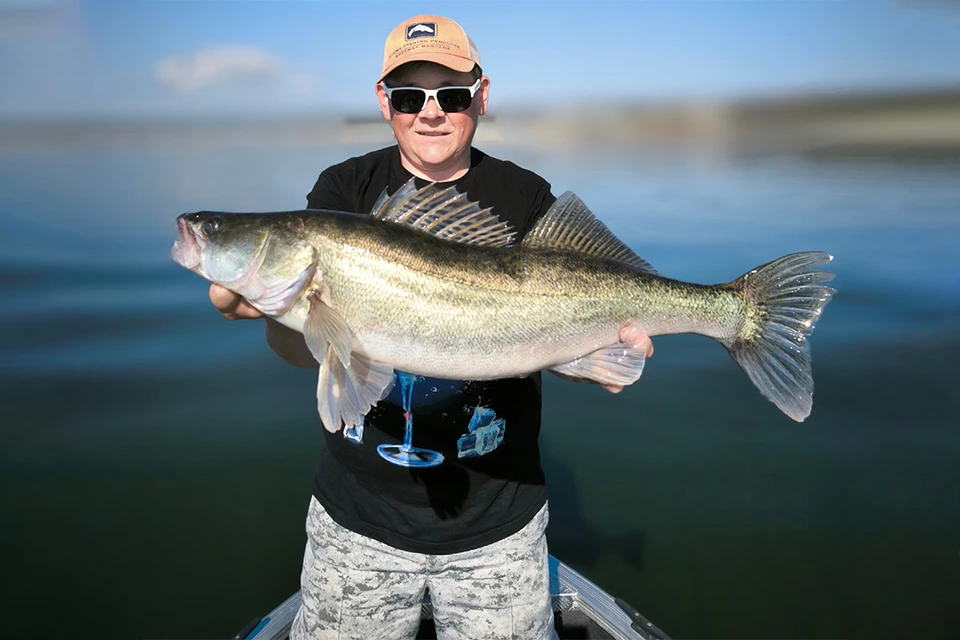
(431, 109)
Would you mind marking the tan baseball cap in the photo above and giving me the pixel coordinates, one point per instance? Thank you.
(432, 39)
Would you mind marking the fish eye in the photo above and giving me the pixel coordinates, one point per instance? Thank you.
(210, 226)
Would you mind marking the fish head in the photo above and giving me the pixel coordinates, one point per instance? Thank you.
(221, 247)
(251, 254)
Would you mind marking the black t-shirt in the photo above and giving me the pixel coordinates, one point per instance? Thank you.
(470, 500)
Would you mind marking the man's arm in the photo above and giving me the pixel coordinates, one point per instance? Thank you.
(286, 343)
(290, 345)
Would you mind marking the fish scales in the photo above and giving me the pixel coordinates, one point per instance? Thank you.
(480, 312)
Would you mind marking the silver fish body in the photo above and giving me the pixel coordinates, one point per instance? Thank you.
(473, 313)
(429, 284)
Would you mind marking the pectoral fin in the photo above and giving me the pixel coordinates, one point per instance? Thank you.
(324, 326)
(275, 298)
(346, 393)
(619, 364)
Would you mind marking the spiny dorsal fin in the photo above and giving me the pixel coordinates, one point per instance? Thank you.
(444, 213)
(568, 224)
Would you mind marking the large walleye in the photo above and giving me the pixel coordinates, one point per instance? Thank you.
(430, 284)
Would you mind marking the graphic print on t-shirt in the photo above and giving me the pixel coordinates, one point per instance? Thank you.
(484, 434)
(485, 430)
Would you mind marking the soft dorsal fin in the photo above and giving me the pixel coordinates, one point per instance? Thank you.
(444, 213)
(568, 224)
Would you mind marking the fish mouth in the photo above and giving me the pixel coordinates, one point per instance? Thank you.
(187, 248)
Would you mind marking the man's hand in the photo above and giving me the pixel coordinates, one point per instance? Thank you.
(232, 305)
(637, 339)
(631, 335)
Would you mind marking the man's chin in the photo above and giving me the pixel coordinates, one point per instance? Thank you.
(437, 160)
(435, 147)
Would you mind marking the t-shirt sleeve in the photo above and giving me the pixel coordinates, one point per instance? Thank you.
(328, 193)
(543, 199)
(540, 199)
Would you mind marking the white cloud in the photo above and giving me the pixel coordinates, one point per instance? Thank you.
(219, 65)
(303, 83)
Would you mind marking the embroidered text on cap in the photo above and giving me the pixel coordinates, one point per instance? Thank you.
(421, 30)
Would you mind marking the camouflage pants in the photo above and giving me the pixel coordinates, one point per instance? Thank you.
(356, 587)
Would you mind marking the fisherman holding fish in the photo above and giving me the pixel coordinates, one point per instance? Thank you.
(472, 530)
(430, 283)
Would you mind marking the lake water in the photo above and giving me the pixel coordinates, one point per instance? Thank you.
(155, 459)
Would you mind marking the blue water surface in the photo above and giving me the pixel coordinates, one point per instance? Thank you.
(155, 459)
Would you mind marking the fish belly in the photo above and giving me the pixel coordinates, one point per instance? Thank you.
(471, 360)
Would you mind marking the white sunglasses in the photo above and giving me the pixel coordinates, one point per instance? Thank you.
(448, 99)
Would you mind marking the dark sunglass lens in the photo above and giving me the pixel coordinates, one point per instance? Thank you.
(454, 100)
(407, 100)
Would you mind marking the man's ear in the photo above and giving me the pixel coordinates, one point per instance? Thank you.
(384, 101)
(483, 93)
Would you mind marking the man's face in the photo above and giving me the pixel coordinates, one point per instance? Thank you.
(434, 144)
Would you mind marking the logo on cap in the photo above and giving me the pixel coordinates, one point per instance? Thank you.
(421, 30)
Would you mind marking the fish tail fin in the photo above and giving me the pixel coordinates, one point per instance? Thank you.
(784, 300)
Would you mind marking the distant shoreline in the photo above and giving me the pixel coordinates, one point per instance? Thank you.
(915, 124)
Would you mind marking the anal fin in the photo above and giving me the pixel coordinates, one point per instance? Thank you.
(619, 364)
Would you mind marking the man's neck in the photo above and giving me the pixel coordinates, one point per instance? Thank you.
(440, 174)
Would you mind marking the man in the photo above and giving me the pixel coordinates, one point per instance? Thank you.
(470, 530)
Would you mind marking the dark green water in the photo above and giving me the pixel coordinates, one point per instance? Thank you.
(155, 459)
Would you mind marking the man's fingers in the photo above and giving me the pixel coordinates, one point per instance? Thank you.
(649, 348)
(232, 305)
(223, 299)
(637, 338)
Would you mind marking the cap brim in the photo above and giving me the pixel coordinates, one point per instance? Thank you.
(457, 63)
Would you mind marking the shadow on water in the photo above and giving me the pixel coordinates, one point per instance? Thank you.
(570, 534)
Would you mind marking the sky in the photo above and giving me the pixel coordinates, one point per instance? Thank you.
(130, 58)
